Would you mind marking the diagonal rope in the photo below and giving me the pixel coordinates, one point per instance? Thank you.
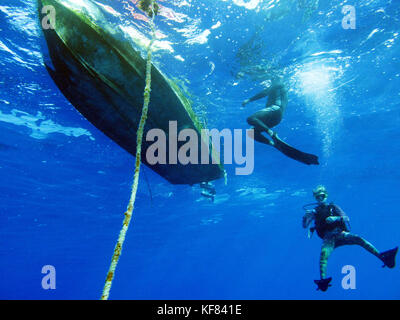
(139, 137)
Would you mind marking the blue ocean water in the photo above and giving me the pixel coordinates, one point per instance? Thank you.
(64, 186)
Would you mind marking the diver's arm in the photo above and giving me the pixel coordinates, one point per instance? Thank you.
(335, 219)
(258, 96)
(339, 215)
(308, 218)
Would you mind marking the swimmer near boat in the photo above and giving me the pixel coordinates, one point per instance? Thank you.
(263, 120)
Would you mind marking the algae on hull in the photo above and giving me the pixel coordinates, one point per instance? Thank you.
(103, 77)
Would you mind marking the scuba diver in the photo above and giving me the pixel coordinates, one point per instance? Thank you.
(267, 118)
(332, 226)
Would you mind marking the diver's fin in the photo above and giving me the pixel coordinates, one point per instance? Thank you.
(389, 258)
(323, 284)
(293, 153)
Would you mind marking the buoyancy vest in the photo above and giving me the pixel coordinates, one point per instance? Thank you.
(322, 212)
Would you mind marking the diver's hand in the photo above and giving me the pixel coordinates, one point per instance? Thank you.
(337, 218)
(245, 102)
(332, 219)
(307, 218)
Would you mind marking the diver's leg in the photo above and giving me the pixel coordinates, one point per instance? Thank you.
(260, 138)
(259, 125)
(266, 119)
(387, 257)
(263, 121)
(327, 248)
(347, 238)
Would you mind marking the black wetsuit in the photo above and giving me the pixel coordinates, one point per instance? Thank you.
(335, 234)
(322, 212)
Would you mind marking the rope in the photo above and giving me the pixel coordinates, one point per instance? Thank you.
(139, 137)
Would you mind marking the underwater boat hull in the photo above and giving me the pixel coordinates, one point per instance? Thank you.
(104, 79)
